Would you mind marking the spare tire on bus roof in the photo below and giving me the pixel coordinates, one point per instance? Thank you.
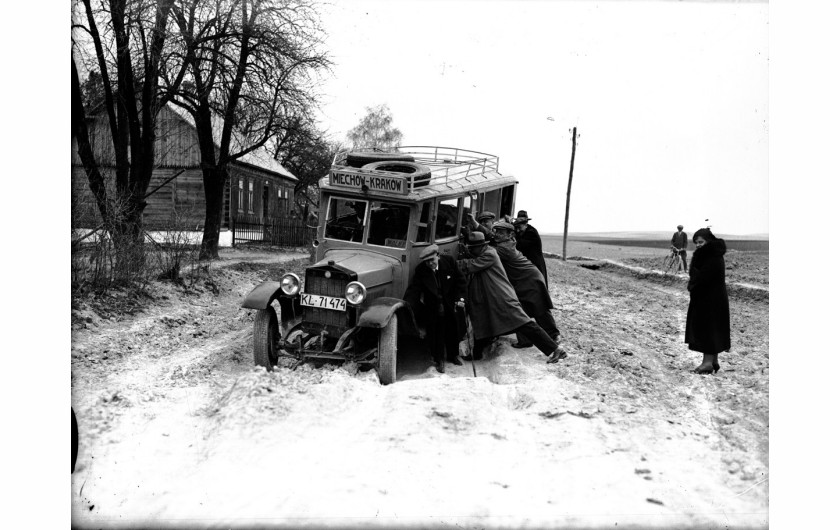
(361, 158)
(419, 173)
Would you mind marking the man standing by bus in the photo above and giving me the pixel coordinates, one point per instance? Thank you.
(528, 242)
(437, 289)
(679, 241)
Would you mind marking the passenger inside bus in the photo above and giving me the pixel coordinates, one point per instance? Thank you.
(345, 219)
(388, 224)
(447, 219)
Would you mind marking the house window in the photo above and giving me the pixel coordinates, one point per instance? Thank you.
(241, 198)
(282, 200)
(250, 196)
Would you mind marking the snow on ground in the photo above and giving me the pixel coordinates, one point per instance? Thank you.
(178, 428)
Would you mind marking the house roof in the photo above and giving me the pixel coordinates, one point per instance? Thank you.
(260, 158)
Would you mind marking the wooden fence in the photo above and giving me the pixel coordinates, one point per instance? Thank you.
(279, 231)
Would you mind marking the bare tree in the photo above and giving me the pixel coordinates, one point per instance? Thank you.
(250, 72)
(375, 130)
(304, 151)
(123, 47)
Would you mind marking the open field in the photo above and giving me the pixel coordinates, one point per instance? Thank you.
(554, 242)
(747, 262)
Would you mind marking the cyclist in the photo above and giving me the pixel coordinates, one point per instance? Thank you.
(679, 242)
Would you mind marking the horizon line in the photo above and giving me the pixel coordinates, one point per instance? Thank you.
(765, 235)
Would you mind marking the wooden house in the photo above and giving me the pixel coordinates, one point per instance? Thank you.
(258, 188)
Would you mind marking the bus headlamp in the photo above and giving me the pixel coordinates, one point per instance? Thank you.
(290, 284)
(355, 293)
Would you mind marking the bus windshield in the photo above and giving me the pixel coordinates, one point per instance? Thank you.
(388, 224)
(346, 219)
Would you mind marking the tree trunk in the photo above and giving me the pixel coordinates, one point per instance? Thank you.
(96, 182)
(215, 180)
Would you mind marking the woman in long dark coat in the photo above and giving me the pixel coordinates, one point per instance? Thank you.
(707, 322)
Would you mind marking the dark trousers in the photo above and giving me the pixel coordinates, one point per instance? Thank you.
(682, 257)
(441, 338)
(531, 332)
(547, 323)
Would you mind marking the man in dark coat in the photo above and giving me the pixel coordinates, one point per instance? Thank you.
(438, 287)
(527, 281)
(680, 242)
(707, 322)
(528, 242)
(492, 304)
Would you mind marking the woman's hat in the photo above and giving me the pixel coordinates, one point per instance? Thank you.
(485, 215)
(503, 224)
(521, 217)
(475, 239)
(429, 252)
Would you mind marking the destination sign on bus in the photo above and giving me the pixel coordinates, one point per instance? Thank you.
(373, 182)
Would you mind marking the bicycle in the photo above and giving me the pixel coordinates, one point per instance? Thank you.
(673, 261)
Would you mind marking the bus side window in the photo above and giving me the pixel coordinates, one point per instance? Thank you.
(423, 226)
(446, 223)
(492, 202)
(466, 208)
(506, 207)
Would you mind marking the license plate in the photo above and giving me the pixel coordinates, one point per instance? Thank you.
(323, 302)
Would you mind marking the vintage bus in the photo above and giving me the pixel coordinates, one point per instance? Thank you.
(377, 212)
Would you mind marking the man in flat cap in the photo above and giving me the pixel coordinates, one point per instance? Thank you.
(483, 223)
(528, 242)
(492, 304)
(679, 241)
(527, 281)
(438, 287)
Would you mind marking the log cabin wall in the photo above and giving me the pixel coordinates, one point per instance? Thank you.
(264, 193)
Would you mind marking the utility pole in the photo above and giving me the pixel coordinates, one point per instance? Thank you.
(569, 191)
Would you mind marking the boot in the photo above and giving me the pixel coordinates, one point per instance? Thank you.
(715, 364)
(707, 366)
(440, 367)
(558, 354)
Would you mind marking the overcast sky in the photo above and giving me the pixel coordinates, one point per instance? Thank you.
(670, 100)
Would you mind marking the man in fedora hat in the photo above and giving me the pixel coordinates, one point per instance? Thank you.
(528, 242)
(437, 289)
(527, 281)
(679, 241)
(492, 303)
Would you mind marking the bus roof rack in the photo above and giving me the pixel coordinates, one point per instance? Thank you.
(452, 169)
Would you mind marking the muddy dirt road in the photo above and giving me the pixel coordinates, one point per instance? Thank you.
(178, 429)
